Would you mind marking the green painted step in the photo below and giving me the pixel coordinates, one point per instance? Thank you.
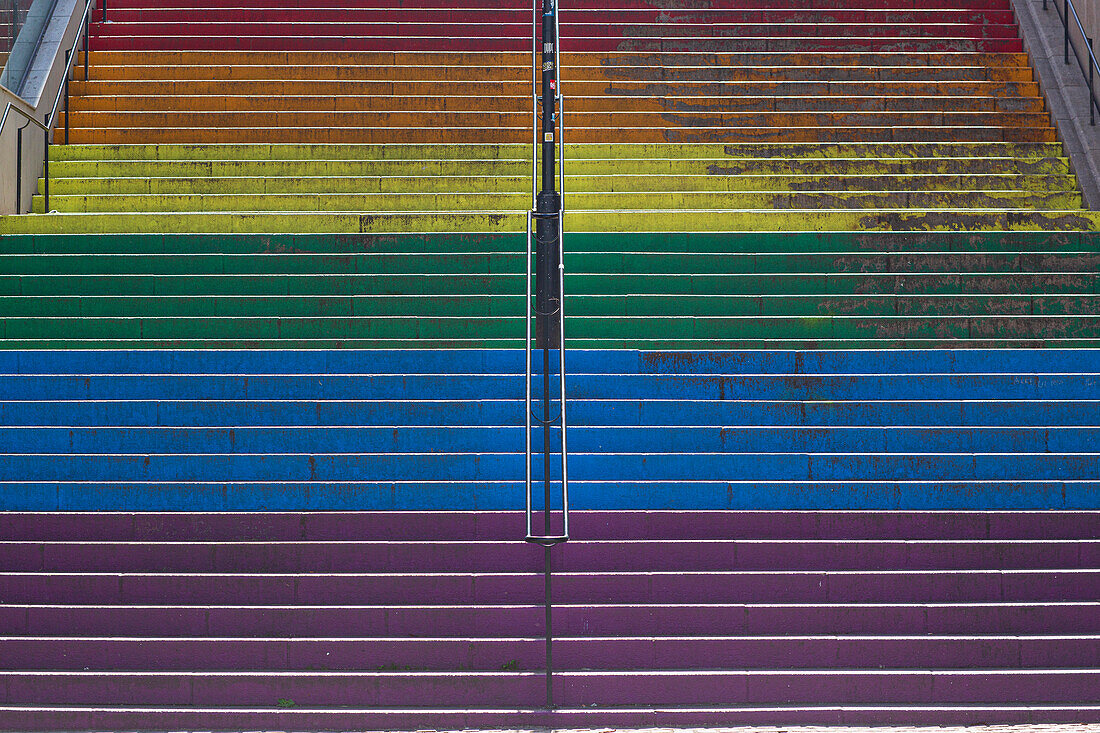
(616, 201)
(613, 328)
(610, 284)
(517, 343)
(640, 264)
(472, 305)
(1023, 186)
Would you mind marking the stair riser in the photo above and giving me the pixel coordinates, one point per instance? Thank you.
(576, 17)
(366, 384)
(766, 368)
(582, 439)
(586, 305)
(505, 557)
(529, 654)
(873, 493)
(583, 467)
(752, 44)
(134, 526)
(40, 720)
(568, 620)
(198, 414)
(528, 691)
(389, 590)
(976, 5)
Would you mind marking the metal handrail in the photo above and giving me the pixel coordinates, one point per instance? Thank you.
(546, 540)
(51, 118)
(1067, 44)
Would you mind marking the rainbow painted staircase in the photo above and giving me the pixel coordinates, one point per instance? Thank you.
(832, 310)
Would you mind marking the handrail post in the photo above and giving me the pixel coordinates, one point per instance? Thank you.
(1092, 94)
(1065, 26)
(19, 170)
(65, 81)
(87, 49)
(46, 169)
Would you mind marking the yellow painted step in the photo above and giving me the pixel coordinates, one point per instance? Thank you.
(576, 221)
(602, 151)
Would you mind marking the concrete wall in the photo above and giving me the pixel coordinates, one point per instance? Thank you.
(39, 91)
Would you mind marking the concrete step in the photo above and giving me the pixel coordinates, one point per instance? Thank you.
(392, 589)
(583, 305)
(132, 526)
(430, 152)
(493, 689)
(528, 653)
(870, 247)
(146, 564)
(497, 201)
(482, 439)
(240, 621)
(50, 718)
(625, 183)
(218, 413)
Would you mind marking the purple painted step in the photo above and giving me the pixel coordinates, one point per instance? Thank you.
(433, 620)
(822, 652)
(463, 689)
(574, 588)
(507, 526)
(516, 556)
(1072, 618)
(76, 718)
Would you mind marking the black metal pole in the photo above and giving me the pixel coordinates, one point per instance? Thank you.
(87, 51)
(1092, 94)
(68, 55)
(19, 170)
(547, 297)
(1065, 25)
(46, 168)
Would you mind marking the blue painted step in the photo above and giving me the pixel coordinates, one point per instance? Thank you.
(584, 495)
(508, 361)
(441, 430)
(582, 439)
(215, 413)
(684, 386)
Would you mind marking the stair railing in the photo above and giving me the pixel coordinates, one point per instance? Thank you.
(50, 120)
(544, 227)
(1067, 44)
(547, 209)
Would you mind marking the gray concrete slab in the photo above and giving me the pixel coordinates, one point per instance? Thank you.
(1066, 92)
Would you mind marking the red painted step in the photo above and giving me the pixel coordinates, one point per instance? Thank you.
(674, 5)
(296, 42)
(569, 15)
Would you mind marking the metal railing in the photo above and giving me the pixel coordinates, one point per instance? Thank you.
(547, 214)
(547, 537)
(1093, 69)
(50, 120)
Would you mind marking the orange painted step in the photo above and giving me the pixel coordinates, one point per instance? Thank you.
(233, 101)
(575, 89)
(604, 135)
